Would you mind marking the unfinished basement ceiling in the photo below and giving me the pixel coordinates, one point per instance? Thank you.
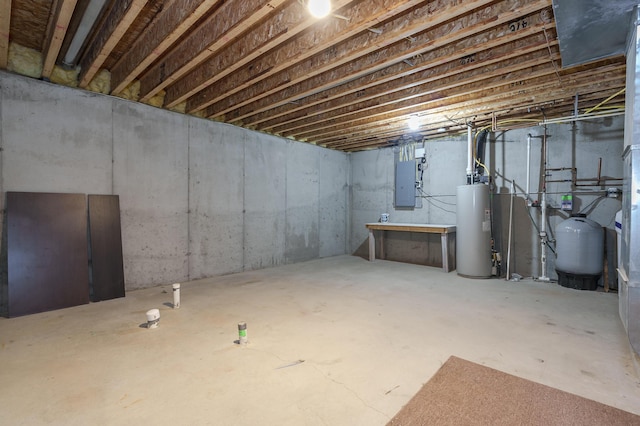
(349, 81)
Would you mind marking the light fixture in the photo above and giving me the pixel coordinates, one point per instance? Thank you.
(414, 122)
(442, 130)
(319, 8)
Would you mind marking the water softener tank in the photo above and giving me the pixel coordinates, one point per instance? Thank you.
(580, 252)
(473, 231)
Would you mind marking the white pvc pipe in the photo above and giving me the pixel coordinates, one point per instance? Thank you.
(543, 213)
(528, 168)
(543, 239)
(469, 153)
(153, 317)
(176, 295)
(513, 193)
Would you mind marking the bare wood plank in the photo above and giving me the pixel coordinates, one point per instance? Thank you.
(412, 227)
(303, 46)
(449, 60)
(514, 70)
(440, 82)
(175, 19)
(494, 101)
(52, 47)
(529, 111)
(5, 25)
(112, 30)
(327, 33)
(470, 53)
(74, 23)
(230, 21)
(276, 30)
(355, 61)
(432, 100)
(318, 86)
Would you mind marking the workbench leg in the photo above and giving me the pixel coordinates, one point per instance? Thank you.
(382, 254)
(372, 246)
(445, 251)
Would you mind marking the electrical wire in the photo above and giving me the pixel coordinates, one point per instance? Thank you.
(426, 195)
(596, 200)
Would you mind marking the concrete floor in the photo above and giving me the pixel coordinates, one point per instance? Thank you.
(370, 335)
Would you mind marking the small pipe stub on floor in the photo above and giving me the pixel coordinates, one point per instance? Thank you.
(176, 295)
(153, 318)
(242, 333)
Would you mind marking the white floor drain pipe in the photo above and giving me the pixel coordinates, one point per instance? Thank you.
(242, 333)
(153, 318)
(176, 295)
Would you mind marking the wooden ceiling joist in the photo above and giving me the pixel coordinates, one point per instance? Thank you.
(349, 81)
(57, 31)
(176, 18)
(113, 29)
(468, 108)
(360, 15)
(230, 21)
(319, 85)
(430, 126)
(514, 69)
(443, 103)
(431, 100)
(276, 30)
(359, 61)
(5, 25)
(463, 55)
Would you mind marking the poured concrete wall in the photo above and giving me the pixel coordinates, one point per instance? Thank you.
(580, 145)
(198, 198)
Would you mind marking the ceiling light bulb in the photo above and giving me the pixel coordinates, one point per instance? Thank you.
(319, 8)
(414, 123)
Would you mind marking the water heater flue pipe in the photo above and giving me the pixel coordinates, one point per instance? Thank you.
(469, 153)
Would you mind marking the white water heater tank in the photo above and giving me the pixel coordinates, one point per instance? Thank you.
(473, 231)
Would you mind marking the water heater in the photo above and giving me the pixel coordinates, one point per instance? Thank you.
(473, 231)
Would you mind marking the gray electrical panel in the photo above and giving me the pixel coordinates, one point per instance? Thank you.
(405, 195)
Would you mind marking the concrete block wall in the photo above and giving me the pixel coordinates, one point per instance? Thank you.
(578, 145)
(198, 198)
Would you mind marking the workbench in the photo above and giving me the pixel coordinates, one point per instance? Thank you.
(443, 230)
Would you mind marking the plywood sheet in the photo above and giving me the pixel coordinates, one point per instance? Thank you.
(47, 251)
(107, 272)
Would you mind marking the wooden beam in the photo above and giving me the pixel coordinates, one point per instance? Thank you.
(513, 69)
(328, 32)
(357, 58)
(74, 23)
(120, 18)
(467, 54)
(431, 100)
(56, 36)
(429, 130)
(176, 18)
(230, 21)
(276, 30)
(5, 26)
(459, 102)
(484, 103)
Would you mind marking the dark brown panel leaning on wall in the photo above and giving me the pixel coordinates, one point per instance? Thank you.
(107, 272)
(47, 251)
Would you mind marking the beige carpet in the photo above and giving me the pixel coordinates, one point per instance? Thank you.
(465, 393)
